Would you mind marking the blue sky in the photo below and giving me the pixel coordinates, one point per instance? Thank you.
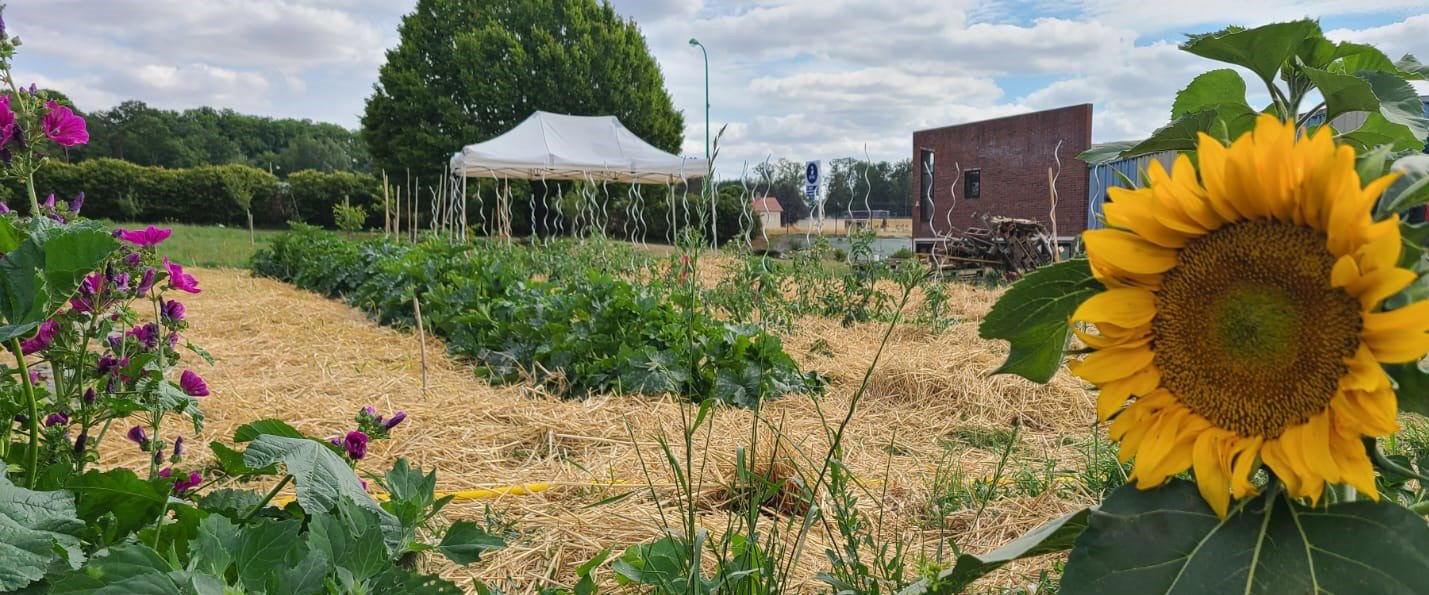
(801, 79)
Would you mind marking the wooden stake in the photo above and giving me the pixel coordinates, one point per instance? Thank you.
(386, 209)
(251, 240)
(422, 340)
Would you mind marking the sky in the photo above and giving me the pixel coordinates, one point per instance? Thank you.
(799, 79)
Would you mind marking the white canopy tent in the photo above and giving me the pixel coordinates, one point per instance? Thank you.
(548, 146)
(561, 147)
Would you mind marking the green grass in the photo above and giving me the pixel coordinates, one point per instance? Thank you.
(209, 246)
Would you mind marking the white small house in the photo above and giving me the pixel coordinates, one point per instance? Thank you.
(769, 211)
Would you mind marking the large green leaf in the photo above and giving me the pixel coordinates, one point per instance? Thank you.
(321, 476)
(35, 527)
(1055, 536)
(1209, 90)
(117, 494)
(262, 549)
(1105, 152)
(1343, 93)
(71, 254)
(1399, 103)
(213, 548)
(276, 427)
(1033, 314)
(1224, 121)
(1262, 49)
(395, 579)
(124, 568)
(23, 299)
(1412, 68)
(1168, 541)
(1411, 189)
(351, 538)
(465, 541)
(9, 236)
(1377, 130)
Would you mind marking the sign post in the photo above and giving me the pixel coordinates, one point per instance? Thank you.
(811, 179)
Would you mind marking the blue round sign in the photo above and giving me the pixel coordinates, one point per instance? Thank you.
(811, 173)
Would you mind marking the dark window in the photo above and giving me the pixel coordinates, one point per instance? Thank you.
(972, 183)
(925, 184)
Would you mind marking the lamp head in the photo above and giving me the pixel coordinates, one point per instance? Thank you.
(694, 42)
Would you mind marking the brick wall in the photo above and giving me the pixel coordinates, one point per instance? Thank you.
(1013, 154)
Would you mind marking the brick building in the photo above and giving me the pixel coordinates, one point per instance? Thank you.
(999, 167)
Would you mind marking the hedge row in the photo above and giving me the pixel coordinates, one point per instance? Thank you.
(123, 191)
(579, 332)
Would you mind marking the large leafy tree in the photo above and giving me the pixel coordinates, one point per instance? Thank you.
(467, 70)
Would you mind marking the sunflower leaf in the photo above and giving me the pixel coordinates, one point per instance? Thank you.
(1262, 49)
(1209, 90)
(1413, 386)
(1033, 314)
(1167, 540)
(1054, 536)
(1410, 190)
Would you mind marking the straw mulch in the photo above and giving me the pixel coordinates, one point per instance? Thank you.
(314, 362)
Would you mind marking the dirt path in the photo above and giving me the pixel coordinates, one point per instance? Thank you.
(314, 362)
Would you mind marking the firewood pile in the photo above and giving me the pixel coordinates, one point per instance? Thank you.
(1005, 244)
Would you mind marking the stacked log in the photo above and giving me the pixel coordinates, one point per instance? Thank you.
(1005, 244)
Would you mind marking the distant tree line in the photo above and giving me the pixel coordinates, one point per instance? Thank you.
(135, 132)
(849, 184)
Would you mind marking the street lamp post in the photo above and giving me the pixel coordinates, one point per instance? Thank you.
(714, 238)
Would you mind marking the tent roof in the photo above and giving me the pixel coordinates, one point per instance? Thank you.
(563, 147)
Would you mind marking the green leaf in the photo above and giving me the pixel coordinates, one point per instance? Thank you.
(465, 542)
(124, 568)
(1262, 49)
(1399, 103)
(231, 461)
(352, 540)
(9, 236)
(22, 290)
(262, 548)
(306, 575)
(212, 549)
(411, 493)
(1033, 314)
(1208, 91)
(1055, 536)
(1167, 540)
(1376, 130)
(73, 253)
(1412, 68)
(1105, 152)
(34, 528)
(1343, 93)
(1225, 122)
(1412, 382)
(1359, 57)
(321, 476)
(276, 427)
(133, 502)
(1410, 190)
(231, 502)
(395, 579)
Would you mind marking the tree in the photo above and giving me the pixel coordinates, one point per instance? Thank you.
(467, 70)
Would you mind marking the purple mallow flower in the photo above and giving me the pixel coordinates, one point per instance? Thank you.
(134, 258)
(138, 436)
(370, 410)
(396, 419)
(356, 445)
(57, 419)
(173, 310)
(42, 339)
(7, 120)
(178, 447)
(89, 396)
(76, 203)
(189, 483)
(150, 236)
(193, 385)
(50, 202)
(147, 335)
(4, 208)
(146, 282)
(63, 126)
(180, 280)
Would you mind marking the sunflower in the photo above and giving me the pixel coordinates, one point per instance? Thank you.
(1242, 318)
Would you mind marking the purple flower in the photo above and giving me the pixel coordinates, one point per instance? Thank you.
(370, 410)
(89, 396)
(133, 258)
(76, 203)
(36, 377)
(50, 202)
(356, 445)
(7, 120)
(147, 335)
(63, 126)
(4, 208)
(184, 485)
(138, 436)
(166, 472)
(108, 363)
(193, 385)
(180, 280)
(121, 282)
(396, 419)
(34, 90)
(57, 419)
(179, 447)
(173, 310)
(42, 339)
(79, 443)
(146, 282)
(150, 236)
(173, 340)
(336, 441)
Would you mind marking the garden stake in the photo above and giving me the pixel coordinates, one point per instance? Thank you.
(421, 341)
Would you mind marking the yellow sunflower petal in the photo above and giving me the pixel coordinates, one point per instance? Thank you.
(1126, 308)
(1211, 479)
(1128, 252)
(1374, 287)
(1107, 365)
(1398, 336)
(1115, 394)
